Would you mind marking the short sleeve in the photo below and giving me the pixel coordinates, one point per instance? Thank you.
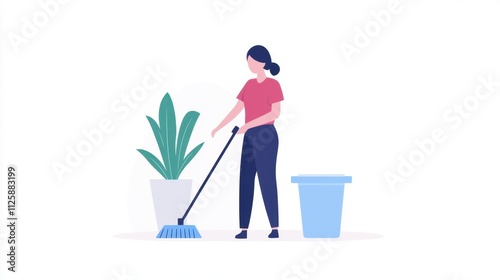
(275, 93)
(241, 95)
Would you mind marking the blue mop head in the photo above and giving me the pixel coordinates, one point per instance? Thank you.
(178, 231)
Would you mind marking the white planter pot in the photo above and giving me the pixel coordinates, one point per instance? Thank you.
(171, 198)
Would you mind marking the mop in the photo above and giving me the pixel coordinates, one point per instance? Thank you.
(189, 231)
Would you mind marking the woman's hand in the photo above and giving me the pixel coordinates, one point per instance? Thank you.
(243, 129)
(215, 131)
(234, 112)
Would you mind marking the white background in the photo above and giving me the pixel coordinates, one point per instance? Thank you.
(354, 118)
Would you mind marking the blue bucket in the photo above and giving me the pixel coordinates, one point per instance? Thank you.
(321, 198)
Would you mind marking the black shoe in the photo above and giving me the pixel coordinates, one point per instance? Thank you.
(241, 235)
(274, 234)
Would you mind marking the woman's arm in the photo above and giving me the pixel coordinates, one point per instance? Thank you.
(271, 116)
(234, 112)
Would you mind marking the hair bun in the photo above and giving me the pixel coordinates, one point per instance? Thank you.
(274, 69)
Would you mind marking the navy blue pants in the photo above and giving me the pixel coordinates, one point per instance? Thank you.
(260, 149)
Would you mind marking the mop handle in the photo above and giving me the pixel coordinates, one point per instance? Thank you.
(180, 221)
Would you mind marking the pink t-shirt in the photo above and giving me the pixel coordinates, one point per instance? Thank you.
(258, 97)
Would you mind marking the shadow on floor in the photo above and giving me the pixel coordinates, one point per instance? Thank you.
(253, 235)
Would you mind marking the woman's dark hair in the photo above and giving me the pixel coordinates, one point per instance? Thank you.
(261, 54)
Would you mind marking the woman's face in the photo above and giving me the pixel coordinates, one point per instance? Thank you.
(254, 65)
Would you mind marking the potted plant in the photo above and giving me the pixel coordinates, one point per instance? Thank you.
(171, 195)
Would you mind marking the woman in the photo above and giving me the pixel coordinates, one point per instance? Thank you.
(260, 97)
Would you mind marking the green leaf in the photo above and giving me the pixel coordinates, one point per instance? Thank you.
(185, 132)
(160, 141)
(172, 146)
(189, 157)
(155, 162)
(168, 127)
